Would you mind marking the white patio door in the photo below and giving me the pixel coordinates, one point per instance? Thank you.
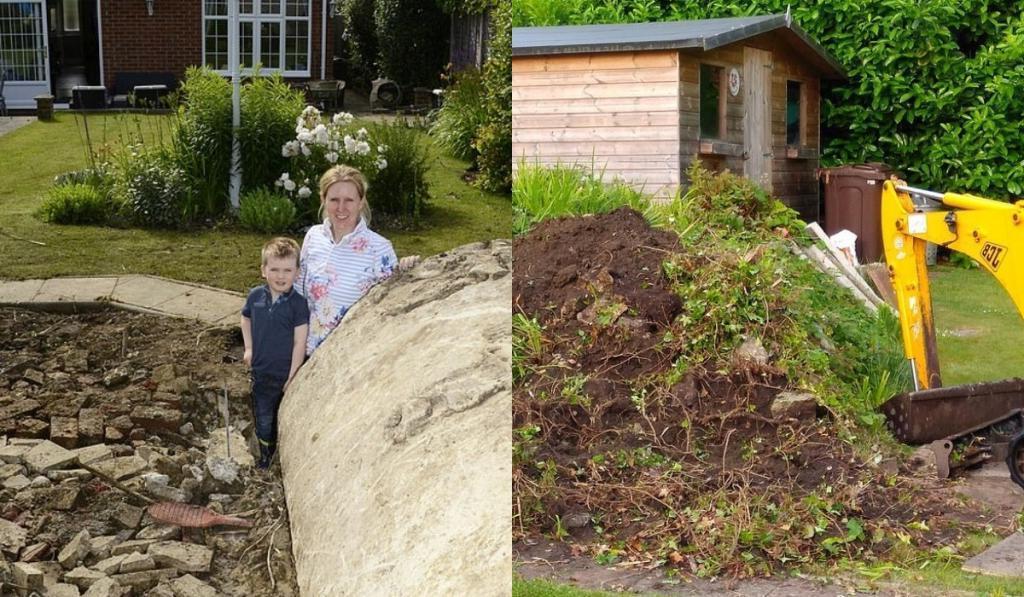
(24, 56)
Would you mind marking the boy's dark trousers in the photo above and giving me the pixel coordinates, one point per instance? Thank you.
(267, 392)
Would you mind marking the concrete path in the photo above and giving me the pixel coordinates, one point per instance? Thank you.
(9, 123)
(147, 294)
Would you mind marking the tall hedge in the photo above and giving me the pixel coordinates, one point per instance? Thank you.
(932, 84)
(494, 141)
(412, 40)
(360, 35)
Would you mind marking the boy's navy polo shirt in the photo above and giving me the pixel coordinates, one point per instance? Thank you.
(273, 329)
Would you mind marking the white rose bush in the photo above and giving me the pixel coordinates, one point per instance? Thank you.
(320, 144)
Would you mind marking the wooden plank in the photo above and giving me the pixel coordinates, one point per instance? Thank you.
(599, 148)
(636, 75)
(594, 105)
(621, 90)
(637, 163)
(587, 62)
(608, 133)
(757, 98)
(625, 119)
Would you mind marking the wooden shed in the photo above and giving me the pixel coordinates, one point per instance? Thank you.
(640, 101)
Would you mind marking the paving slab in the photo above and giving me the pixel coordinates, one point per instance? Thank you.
(75, 290)
(143, 291)
(11, 123)
(19, 291)
(202, 303)
(1005, 558)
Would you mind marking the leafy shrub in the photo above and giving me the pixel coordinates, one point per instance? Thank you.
(400, 189)
(152, 189)
(360, 37)
(202, 142)
(269, 109)
(320, 144)
(264, 211)
(494, 141)
(74, 203)
(413, 40)
(461, 117)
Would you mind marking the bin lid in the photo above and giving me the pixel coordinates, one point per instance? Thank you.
(869, 171)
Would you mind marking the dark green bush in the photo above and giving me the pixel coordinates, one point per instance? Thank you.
(413, 41)
(401, 188)
(74, 203)
(264, 211)
(941, 104)
(494, 141)
(153, 190)
(464, 113)
(269, 109)
(360, 36)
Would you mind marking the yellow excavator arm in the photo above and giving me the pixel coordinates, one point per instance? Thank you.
(990, 232)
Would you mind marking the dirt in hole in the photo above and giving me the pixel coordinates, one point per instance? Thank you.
(136, 397)
(620, 446)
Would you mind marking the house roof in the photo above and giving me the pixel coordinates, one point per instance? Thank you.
(705, 34)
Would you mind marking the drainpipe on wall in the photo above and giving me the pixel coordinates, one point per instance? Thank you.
(323, 41)
(99, 35)
(233, 58)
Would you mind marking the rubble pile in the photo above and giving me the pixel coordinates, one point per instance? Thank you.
(103, 414)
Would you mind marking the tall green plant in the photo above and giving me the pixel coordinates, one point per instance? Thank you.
(460, 118)
(202, 142)
(401, 188)
(269, 110)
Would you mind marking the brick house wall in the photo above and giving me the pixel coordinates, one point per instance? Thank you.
(172, 39)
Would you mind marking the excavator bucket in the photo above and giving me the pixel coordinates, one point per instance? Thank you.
(928, 415)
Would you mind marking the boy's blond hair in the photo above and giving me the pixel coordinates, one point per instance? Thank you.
(280, 247)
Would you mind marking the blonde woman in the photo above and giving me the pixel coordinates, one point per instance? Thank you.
(341, 259)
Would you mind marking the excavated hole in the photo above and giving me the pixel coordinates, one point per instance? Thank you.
(147, 388)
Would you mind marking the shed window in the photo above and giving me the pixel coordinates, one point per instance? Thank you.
(712, 101)
(794, 113)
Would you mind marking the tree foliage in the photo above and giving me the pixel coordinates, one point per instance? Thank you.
(931, 85)
(494, 140)
(412, 38)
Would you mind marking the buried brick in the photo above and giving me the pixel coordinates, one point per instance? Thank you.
(136, 562)
(83, 577)
(90, 424)
(147, 579)
(75, 551)
(127, 516)
(105, 587)
(62, 590)
(121, 467)
(64, 432)
(12, 536)
(186, 557)
(110, 565)
(47, 455)
(190, 586)
(28, 576)
(156, 417)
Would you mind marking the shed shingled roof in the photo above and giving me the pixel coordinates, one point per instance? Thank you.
(705, 34)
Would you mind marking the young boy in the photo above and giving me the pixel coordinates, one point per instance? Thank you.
(275, 322)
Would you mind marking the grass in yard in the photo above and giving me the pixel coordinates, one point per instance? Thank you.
(979, 329)
(226, 258)
(543, 588)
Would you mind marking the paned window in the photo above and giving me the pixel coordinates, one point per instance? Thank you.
(794, 109)
(274, 34)
(712, 102)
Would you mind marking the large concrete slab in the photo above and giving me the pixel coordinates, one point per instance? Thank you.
(75, 290)
(1005, 558)
(21, 291)
(143, 291)
(204, 304)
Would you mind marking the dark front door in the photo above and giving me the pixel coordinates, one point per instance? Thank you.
(74, 45)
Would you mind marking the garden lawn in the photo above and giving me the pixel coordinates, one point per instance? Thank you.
(979, 329)
(31, 156)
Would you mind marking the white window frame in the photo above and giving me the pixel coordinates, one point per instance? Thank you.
(256, 18)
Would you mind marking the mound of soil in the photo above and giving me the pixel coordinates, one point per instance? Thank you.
(142, 392)
(621, 440)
